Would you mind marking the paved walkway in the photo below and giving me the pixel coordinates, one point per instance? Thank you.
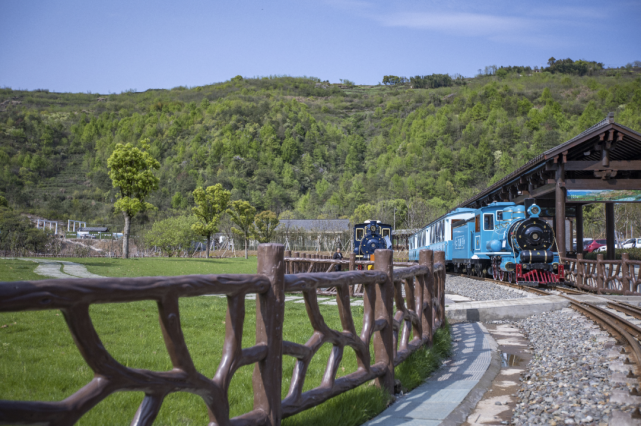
(58, 268)
(436, 401)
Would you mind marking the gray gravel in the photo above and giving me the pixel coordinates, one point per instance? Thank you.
(481, 290)
(577, 374)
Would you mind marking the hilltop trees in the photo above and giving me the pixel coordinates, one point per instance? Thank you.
(210, 204)
(130, 169)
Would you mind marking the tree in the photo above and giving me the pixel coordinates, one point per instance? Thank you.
(172, 235)
(210, 204)
(551, 61)
(266, 223)
(130, 169)
(242, 214)
(3, 202)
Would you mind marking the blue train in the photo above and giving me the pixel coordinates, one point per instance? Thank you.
(370, 236)
(502, 240)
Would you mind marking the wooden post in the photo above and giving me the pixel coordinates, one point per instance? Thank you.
(560, 209)
(270, 313)
(423, 296)
(295, 267)
(625, 269)
(288, 265)
(580, 270)
(609, 231)
(579, 229)
(600, 273)
(439, 259)
(352, 262)
(384, 339)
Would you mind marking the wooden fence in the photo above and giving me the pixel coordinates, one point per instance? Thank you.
(604, 276)
(398, 326)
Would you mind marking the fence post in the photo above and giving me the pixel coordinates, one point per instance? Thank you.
(580, 271)
(423, 296)
(270, 312)
(625, 269)
(288, 265)
(439, 259)
(600, 273)
(384, 339)
(295, 264)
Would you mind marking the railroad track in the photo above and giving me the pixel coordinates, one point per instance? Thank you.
(621, 320)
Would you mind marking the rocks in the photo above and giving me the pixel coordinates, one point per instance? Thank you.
(575, 376)
(481, 290)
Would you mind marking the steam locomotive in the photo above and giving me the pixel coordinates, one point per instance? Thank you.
(502, 240)
(370, 236)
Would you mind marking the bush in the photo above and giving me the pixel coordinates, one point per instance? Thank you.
(634, 253)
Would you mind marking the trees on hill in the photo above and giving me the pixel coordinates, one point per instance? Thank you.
(242, 214)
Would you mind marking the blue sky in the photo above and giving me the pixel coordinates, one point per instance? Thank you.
(111, 46)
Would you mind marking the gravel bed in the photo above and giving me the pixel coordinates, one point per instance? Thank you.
(577, 374)
(481, 290)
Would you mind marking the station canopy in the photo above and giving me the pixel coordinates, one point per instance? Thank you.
(600, 165)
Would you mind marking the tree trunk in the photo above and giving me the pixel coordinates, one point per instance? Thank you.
(208, 244)
(125, 236)
(246, 246)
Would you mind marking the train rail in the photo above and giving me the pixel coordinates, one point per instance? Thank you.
(624, 331)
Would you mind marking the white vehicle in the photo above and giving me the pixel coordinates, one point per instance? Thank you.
(601, 249)
(632, 243)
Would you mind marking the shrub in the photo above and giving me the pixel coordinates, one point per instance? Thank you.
(634, 253)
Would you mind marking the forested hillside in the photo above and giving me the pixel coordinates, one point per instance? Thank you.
(298, 146)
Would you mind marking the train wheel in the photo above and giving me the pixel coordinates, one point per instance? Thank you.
(511, 277)
(495, 272)
(501, 275)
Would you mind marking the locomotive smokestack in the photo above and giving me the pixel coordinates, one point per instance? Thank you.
(528, 203)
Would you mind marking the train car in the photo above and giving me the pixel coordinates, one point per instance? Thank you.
(507, 242)
(370, 236)
(437, 235)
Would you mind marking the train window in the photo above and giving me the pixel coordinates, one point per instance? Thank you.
(499, 215)
(385, 233)
(442, 233)
(477, 223)
(488, 222)
(359, 234)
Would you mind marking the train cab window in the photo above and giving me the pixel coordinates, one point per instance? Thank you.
(499, 215)
(477, 223)
(488, 222)
(386, 232)
(359, 234)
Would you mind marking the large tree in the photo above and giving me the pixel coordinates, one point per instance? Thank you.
(131, 170)
(210, 204)
(266, 223)
(242, 214)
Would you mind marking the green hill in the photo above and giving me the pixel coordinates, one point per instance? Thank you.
(299, 145)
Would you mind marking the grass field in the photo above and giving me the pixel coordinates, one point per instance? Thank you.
(39, 361)
(18, 270)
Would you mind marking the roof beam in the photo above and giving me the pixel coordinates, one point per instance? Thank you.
(634, 165)
(603, 184)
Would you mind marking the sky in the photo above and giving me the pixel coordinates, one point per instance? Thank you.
(113, 46)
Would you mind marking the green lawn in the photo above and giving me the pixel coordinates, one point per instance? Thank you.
(39, 361)
(18, 270)
(166, 266)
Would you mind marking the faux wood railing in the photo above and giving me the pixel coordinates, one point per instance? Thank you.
(396, 334)
(604, 276)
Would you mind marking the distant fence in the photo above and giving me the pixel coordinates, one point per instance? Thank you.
(604, 276)
(396, 334)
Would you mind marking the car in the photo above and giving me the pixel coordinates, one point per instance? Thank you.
(601, 249)
(632, 243)
(595, 244)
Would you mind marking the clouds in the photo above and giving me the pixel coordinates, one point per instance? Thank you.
(471, 24)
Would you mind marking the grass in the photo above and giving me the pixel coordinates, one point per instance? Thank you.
(39, 361)
(18, 270)
(14, 270)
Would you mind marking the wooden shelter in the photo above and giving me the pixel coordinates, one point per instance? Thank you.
(600, 165)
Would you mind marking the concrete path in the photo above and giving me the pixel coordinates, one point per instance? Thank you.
(54, 268)
(452, 392)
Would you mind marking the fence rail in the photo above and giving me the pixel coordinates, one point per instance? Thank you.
(604, 276)
(396, 333)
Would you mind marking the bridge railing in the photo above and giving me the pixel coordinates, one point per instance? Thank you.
(604, 276)
(398, 326)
